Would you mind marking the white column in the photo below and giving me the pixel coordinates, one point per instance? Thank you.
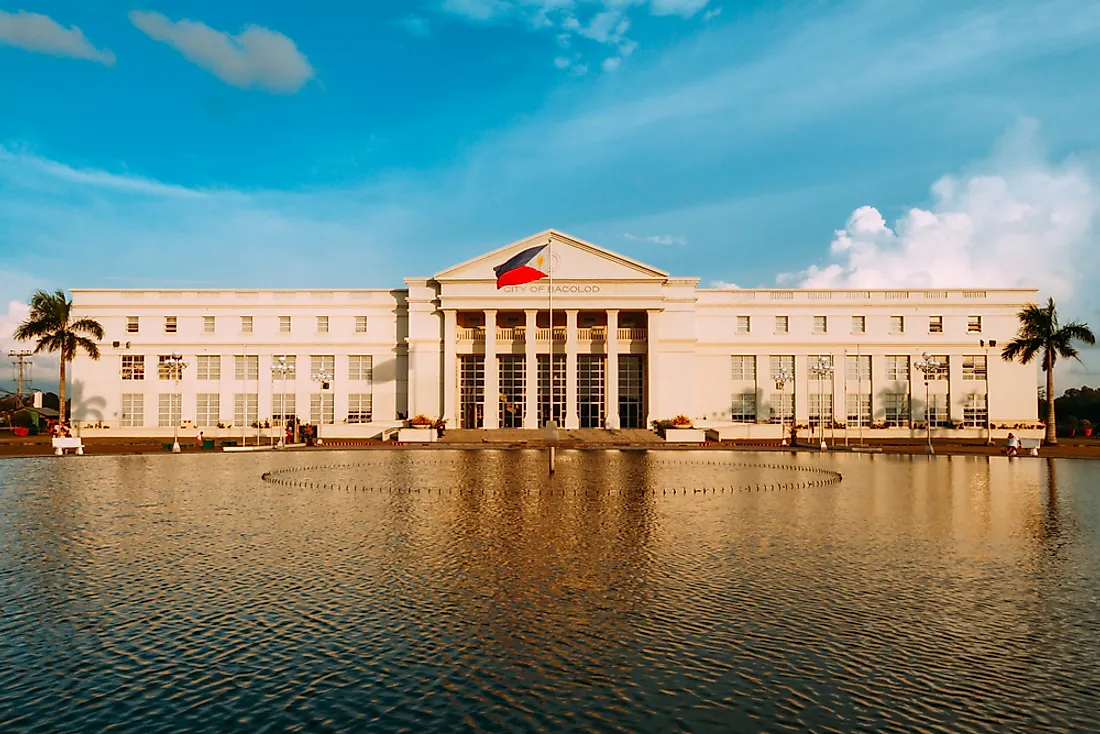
(450, 366)
(653, 353)
(531, 406)
(492, 371)
(611, 383)
(571, 420)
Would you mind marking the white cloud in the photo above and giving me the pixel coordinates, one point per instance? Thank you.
(611, 64)
(35, 32)
(255, 57)
(725, 286)
(657, 239)
(711, 14)
(562, 62)
(1018, 221)
(683, 8)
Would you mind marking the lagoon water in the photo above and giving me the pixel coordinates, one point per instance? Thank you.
(450, 591)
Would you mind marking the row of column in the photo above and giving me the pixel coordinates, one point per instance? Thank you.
(530, 413)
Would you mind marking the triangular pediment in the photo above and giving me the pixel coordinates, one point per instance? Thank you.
(574, 259)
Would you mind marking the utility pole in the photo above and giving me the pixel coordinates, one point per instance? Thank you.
(22, 360)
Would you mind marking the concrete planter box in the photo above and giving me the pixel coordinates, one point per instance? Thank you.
(746, 431)
(685, 435)
(417, 435)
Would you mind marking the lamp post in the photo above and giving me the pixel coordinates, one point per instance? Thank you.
(782, 376)
(927, 365)
(821, 369)
(324, 377)
(988, 427)
(175, 365)
(281, 369)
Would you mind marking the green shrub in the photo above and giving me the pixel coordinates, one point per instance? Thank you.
(32, 430)
(22, 419)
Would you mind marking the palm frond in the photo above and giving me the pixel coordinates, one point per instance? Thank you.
(1021, 348)
(1077, 331)
(89, 346)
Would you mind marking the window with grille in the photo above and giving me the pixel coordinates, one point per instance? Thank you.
(974, 324)
(936, 411)
(168, 369)
(133, 366)
(976, 411)
(282, 406)
(821, 408)
(207, 324)
(361, 367)
(744, 367)
(974, 367)
(246, 408)
(246, 367)
(743, 407)
(207, 409)
(781, 363)
(168, 413)
(360, 324)
(897, 409)
(743, 324)
(321, 410)
(859, 324)
(284, 324)
(133, 410)
(941, 369)
(782, 325)
(359, 407)
(821, 324)
(131, 324)
(246, 324)
(859, 409)
(897, 368)
(322, 363)
(782, 408)
(897, 324)
(935, 324)
(322, 324)
(208, 367)
(824, 360)
(170, 324)
(858, 367)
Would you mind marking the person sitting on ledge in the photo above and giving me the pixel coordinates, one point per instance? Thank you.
(1012, 447)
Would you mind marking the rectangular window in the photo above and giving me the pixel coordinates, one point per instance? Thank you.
(168, 414)
(322, 324)
(169, 369)
(780, 364)
(935, 324)
(743, 324)
(858, 367)
(940, 369)
(290, 361)
(821, 408)
(360, 324)
(361, 367)
(208, 367)
(359, 407)
(322, 366)
(321, 411)
(284, 324)
(282, 406)
(897, 324)
(974, 367)
(246, 324)
(169, 324)
(824, 360)
(133, 366)
(897, 368)
(743, 408)
(973, 324)
(821, 324)
(246, 367)
(936, 411)
(782, 408)
(131, 324)
(133, 410)
(207, 409)
(744, 367)
(859, 409)
(897, 409)
(859, 324)
(782, 325)
(207, 324)
(246, 408)
(975, 411)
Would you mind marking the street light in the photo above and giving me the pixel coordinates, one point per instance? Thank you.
(988, 427)
(821, 369)
(782, 376)
(175, 364)
(322, 376)
(927, 365)
(281, 369)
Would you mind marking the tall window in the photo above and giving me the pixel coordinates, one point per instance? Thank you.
(284, 324)
(936, 411)
(743, 324)
(246, 367)
(782, 325)
(133, 366)
(782, 408)
(744, 367)
(321, 410)
(975, 410)
(858, 367)
(778, 363)
(897, 367)
(207, 324)
(167, 370)
(821, 407)
(246, 408)
(246, 324)
(859, 324)
(208, 367)
(131, 324)
(942, 368)
(133, 410)
(821, 324)
(897, 409)
(282, 406)
(859, 409)
(359, 407)
(973, 324)
(897, 324)
(361, 367)
(168, 414)
(322, 324)
(325, 363)
(974, 367)
(360, 324)
(169, 324)
(935, 324)
(743, 408)
(207, 409)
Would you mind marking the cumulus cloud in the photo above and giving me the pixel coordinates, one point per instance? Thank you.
(657, 239)
(1018, 221)
(683, 8)
(255, 57)
(35, 32)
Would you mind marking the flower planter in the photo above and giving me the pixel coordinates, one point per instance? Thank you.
(417, 435)
(685, 435)
(21, 432)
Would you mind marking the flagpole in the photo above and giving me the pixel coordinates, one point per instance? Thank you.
(550, 301)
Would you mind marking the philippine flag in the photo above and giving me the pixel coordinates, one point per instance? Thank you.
(530, 265)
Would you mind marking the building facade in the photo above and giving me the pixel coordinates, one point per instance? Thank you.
(611, 343)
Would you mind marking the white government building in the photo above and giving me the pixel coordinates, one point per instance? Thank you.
(630, 343)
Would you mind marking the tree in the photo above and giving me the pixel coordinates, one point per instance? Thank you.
(51, 323)
(1040, 332)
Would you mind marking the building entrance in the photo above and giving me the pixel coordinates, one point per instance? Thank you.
(513, 393)
(544, 389)
(590, 390)
(471, 380)
(631, 391)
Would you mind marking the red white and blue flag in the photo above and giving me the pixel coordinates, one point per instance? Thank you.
(530, 265)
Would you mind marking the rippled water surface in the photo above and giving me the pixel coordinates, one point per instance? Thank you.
(447, 591)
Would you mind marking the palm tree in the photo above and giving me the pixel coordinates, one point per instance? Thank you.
(50, 322)
(1040, 332)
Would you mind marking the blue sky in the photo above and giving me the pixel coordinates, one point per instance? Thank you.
(352, 144)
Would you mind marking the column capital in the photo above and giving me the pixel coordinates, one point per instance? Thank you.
(612, 310)
(489, 310)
